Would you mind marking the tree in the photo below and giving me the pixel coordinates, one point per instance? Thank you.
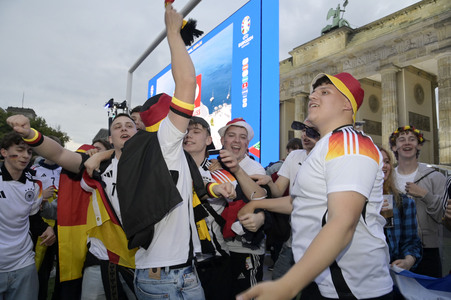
(37, 123)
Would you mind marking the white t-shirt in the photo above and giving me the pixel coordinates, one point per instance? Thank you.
(170, 243)
(290, 169)
(251, 167)
(109, 176)
(344, 161)
(19, 199)
(48, 176)
(291, 165)
(402, 179)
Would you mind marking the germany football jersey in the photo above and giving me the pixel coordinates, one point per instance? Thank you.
(18, 200)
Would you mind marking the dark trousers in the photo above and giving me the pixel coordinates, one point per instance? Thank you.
(246, 270)
(430, 264)
(45, 269)
(215, 277)
(68, 290)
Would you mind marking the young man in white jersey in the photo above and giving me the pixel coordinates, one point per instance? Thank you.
(425, 186)
(48, 173)
(122, 129)
(335, 205)
(20, 199)
(246, 262)
(213, 264)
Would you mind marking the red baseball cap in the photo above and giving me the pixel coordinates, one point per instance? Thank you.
(347, 85)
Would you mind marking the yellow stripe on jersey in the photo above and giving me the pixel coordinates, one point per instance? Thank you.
(349, 142)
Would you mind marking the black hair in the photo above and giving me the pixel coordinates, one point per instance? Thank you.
(136, 109)
(10, 139)
(198, 120)
(104, 142)
(294, 144)
(321, 81)
(122, 115)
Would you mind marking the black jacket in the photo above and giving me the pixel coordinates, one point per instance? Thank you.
(146, 188)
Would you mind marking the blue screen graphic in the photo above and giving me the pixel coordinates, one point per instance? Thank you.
(229, 65)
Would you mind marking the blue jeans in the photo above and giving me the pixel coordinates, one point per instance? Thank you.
(283, 263)
(19, 284)
(180, 283)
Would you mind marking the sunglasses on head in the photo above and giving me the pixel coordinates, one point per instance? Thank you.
(309, 131)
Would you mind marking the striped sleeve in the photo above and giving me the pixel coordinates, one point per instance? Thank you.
(349, 142)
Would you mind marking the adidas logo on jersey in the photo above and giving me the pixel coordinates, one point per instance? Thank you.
(241, 276)
(2, 195)
(109, 174)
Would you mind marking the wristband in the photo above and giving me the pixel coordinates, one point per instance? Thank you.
(259, 198)
(36, 140)
(210, 189)
(181, 108)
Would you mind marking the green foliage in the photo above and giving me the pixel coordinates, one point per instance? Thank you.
(37, 123)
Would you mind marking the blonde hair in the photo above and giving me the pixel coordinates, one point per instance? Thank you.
(389, 184)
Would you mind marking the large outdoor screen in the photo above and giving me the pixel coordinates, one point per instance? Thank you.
(230, 77)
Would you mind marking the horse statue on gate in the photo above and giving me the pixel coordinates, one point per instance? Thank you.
(337, 21)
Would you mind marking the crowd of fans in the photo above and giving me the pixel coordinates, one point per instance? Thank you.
(150, 213)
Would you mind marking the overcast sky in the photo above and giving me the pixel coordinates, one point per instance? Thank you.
(69, 57)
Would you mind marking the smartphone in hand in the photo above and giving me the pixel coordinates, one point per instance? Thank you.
(213, 152)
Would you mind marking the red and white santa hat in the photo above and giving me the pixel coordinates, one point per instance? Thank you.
(240, 122)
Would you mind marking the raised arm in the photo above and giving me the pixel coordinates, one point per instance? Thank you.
(182, 68)
(44, 146)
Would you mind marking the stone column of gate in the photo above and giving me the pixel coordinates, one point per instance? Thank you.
(300, 105)
(389, 103)
(444, 104)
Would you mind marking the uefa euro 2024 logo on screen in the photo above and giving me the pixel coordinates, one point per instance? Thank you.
(245, 25)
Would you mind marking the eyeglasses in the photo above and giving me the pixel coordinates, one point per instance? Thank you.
(309, 131)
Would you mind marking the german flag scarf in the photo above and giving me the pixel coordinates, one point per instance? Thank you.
(84, 210)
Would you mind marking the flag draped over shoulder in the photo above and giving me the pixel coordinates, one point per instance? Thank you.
(84, 210)
(418, 287)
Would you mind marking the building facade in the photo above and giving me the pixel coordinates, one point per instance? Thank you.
(403, 62)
